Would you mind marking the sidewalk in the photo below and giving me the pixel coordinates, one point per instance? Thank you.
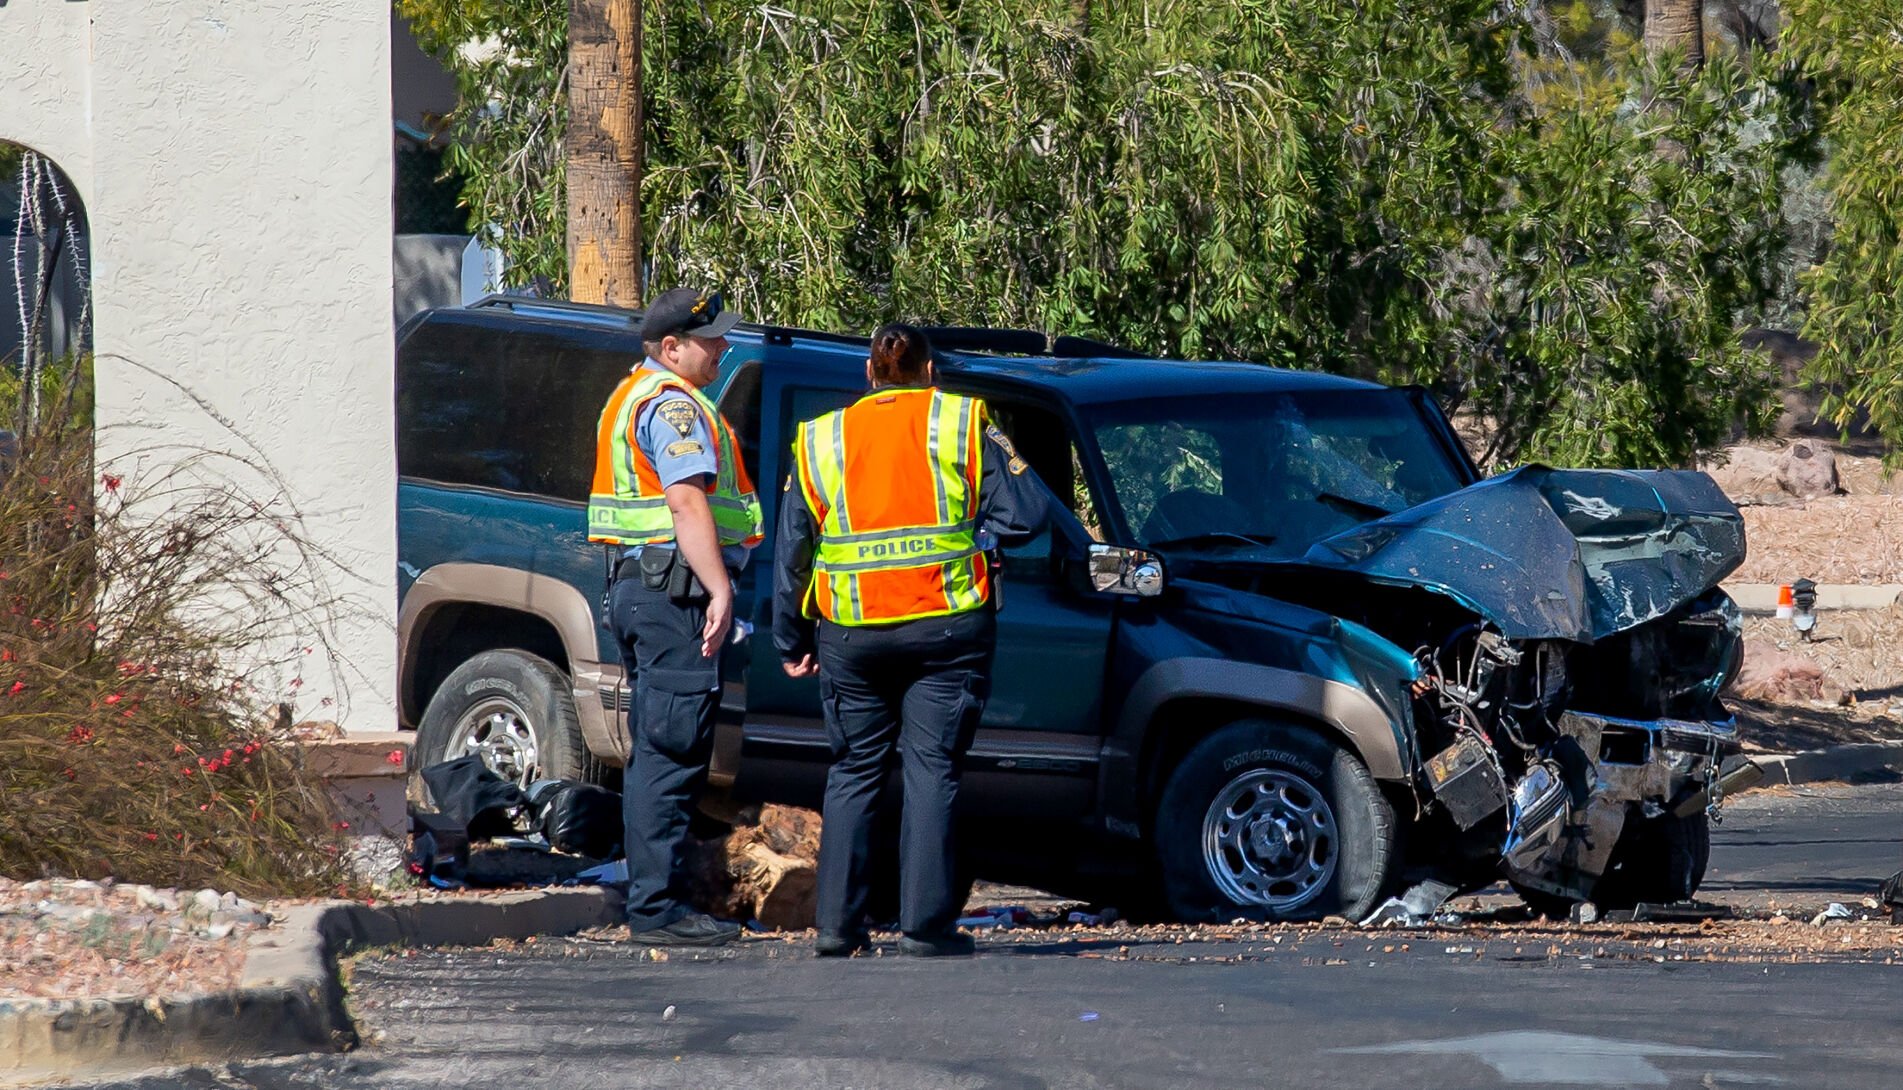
(290, 998)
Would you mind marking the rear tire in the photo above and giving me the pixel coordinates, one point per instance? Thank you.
(1271, 821)
(514, 709)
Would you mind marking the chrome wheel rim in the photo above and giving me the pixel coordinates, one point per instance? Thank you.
(1270, 839)
(498, 731)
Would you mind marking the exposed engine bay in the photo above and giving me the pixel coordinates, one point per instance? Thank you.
(1570, 645)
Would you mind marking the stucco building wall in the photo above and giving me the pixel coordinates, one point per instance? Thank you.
(234, 157)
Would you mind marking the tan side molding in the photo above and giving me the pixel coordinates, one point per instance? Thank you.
(541, 596)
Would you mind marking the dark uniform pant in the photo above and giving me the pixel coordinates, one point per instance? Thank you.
(671, 724)
(917, 688)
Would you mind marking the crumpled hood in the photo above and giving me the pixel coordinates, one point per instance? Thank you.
(1573, 554)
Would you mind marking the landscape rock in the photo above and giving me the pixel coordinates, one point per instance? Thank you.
(1782, 677)
(1747, 475)
(164, 900)
(1808, 469)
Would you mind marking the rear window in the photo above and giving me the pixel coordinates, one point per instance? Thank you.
(512, 409)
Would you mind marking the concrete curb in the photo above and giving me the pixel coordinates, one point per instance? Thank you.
(289, 999)
(1760, 598)
(1830, 763)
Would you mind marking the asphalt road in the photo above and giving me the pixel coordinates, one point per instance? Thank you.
(1806, 844)
(1334, 1009)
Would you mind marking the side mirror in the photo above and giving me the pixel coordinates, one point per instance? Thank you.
(1116, 570)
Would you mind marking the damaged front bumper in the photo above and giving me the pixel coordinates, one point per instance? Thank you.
(1568, 813)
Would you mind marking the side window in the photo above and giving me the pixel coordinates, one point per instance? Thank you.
(803, 403)
(740, 405)
(1042, 439)
(1167, 475)
(806, 402)
(514, 410)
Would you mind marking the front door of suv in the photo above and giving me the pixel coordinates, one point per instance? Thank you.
(1036, 751)
(1036, 754)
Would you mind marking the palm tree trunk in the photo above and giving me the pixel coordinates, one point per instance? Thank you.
(603, 149)
(1676, 24)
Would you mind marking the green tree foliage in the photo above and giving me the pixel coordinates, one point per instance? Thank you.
(1363, 188)
(1636, 233)
(1852, 49)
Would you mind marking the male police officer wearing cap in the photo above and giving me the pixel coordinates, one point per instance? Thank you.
(672, 498)
(882, 536)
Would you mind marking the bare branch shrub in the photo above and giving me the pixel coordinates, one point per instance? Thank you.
(139, 622)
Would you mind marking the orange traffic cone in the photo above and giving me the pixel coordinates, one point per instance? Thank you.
(1786, 606)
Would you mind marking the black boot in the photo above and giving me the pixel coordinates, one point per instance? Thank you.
(834, 944)
(943, 944)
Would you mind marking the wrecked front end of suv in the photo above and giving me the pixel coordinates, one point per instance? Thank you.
(1569, 645)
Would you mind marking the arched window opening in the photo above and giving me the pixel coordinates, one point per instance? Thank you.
(45, 297)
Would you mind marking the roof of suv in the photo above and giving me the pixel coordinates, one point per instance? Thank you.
(1092, 379)
(1078, 372)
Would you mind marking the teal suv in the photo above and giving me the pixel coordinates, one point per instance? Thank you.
(1283, 654)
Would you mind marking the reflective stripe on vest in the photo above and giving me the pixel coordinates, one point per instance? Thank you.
(893, 480)
(628, 506)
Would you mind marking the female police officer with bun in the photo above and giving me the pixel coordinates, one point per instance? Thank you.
(882, 587)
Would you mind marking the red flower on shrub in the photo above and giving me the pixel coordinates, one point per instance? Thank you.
(153, 837)
(112, 481)
(80, 734)
(394, 757)
(18, 688)
(115, 698)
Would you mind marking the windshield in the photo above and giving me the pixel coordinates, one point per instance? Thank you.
(1269, 472)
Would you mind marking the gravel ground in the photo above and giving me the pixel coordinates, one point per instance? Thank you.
(63, 939)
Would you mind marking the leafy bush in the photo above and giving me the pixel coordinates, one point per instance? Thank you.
(1853, 50)
(132, 741)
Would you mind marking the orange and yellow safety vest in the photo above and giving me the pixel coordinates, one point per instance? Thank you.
(627, 504)
(893, 481)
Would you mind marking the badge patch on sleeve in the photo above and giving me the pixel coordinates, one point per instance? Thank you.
(679, 412)
(998, 438)
(684, 448)
(1017, 466)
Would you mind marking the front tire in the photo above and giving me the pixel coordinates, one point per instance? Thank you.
(513, 709)
(1659, 862)
(1272, 821)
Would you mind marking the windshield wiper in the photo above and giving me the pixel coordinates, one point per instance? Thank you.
(1213, 537)
(1352, 507)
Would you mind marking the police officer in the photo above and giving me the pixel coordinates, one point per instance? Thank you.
(882, 538)
(675, 505)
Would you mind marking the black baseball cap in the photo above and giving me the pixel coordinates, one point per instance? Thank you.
(684, 312)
